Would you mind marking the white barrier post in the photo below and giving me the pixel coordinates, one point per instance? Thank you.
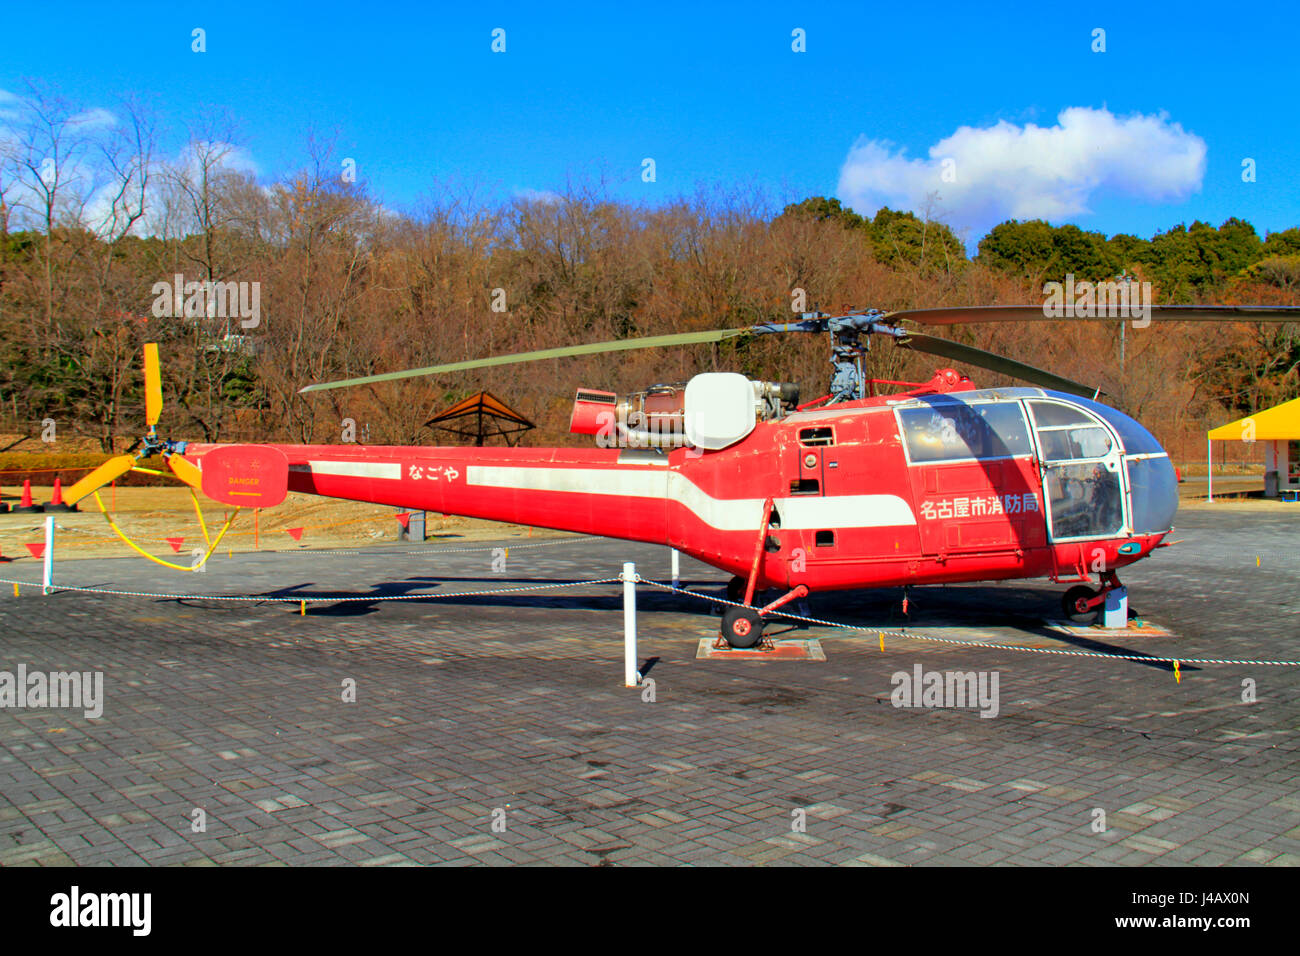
(630, 676)
(49, 555)
(1209, 467)
(677, 569)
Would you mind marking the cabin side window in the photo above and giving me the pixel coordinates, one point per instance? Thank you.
(956, 431)
(819, 435)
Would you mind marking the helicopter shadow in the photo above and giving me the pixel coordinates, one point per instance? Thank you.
(1029, 611)
(1023, 609)
(354, 605)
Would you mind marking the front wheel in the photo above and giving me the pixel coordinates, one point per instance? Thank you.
(1075, 604)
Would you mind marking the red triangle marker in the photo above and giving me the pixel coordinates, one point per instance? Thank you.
(37, 550)
(175, 543)
(295, 533)
(404, 518)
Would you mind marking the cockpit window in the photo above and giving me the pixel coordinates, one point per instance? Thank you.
(1069, 444)
(952, 430)
(1136, 439)
(1052, 414)
(1067, 433)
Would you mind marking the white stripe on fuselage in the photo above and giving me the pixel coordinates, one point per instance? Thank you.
(352, 469)
(724, 514)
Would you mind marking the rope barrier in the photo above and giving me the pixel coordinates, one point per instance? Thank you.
(237, 534)
(302, 601)
(1176, 661)
(384, 518)
(316, 599)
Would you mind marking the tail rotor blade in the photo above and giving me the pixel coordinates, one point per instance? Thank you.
(946, 348)
(152, 385)
(185, 470)
(110, 470)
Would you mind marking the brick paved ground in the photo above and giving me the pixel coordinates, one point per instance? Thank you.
(515, 703)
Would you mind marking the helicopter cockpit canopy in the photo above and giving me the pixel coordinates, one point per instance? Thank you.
(1103, 473)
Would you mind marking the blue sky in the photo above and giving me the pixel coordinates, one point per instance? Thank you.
(714, 94)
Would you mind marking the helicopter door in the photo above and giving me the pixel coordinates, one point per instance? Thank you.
(1082, 473)
(812, 448)
(973, 476)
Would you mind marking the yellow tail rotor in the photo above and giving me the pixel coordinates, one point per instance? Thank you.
(110, 470)
(152, 385)
(185, 470)
(118, 466)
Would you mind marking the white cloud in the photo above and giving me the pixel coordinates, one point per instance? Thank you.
(224, 156)
(538, 195)
(95, 118)
(10, 105)
(1007, 171)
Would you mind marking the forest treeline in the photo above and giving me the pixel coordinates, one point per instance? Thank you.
(347, 286)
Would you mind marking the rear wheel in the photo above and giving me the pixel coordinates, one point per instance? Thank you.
(741, 627)
(1075, 604)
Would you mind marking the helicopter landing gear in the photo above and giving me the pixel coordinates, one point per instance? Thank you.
(742, 627)
(736, 589)
(1084, 605)
(1077, 603)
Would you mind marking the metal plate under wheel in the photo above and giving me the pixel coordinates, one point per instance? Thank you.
(802, 650)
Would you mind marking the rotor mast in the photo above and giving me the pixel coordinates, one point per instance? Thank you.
(850, 336)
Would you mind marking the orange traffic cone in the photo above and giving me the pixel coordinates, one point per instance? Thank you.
(56, 502)
(26, 506)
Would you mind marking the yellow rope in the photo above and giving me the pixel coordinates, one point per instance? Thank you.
(202, 524)
(212, 545)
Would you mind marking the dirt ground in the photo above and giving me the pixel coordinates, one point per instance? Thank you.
(151, 515)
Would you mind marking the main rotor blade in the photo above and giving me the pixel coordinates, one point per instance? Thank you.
(946, 348)
(961, 315)
(110, 470)
(152, 385)
(185, 470)
(593, 348)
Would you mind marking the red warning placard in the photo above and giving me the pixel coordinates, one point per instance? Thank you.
(247, 476)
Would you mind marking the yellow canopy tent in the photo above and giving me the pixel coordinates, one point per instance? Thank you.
(1278, 424)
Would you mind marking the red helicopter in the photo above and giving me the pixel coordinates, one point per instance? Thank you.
(942, 482)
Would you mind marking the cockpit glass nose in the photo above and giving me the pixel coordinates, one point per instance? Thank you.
(1136, 439)
(1154, 487)
(1152, 482)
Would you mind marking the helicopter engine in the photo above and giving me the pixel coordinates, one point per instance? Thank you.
(711, 411)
